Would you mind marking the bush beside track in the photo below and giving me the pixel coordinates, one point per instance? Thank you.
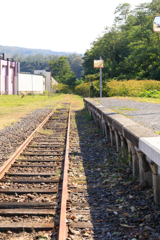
(130, 88)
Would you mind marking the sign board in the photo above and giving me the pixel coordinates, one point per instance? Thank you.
(156, 24)
(98, 63)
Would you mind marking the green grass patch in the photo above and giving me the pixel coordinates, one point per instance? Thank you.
(157, 132)
(43, 131)
(87, 116)
(128, 109)
(13, 107)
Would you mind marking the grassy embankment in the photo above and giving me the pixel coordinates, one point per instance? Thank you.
(137, 90)
(13, 107)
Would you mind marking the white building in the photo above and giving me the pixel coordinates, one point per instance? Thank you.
(49, 81)
(53, 81)
(28, 83)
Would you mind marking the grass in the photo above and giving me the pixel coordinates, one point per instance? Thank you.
(81, 169)
(77, 101)
(114, 106)
(13, 107)
(140, 99)
(21, 157)
(43, 131)
(157, 132)
(128, 109)
(87, 116)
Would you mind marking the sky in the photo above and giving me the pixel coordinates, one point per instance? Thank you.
(58, 25)
(157, 20)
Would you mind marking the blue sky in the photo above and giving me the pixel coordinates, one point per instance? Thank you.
(58, 25)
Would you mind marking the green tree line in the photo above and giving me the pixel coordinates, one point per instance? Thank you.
(40, 62)
(130, 49)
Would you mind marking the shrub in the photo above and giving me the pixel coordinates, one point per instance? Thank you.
(111, 87)
(150, 93)
(131, 87)
(65, 88)
(82, 89)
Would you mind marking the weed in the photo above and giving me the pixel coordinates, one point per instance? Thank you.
(133, 178)
(55, 117)
(89, 166)
(43, 131)
(81, 169)
(87, 116)
(157, 132)
(114, 106)
(41, 237)
(58, 173)
(128, 109)
(21, 157)
(126, 157)
(115, 176)
(109, 161)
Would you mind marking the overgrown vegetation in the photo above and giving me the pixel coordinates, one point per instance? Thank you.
(131, 88)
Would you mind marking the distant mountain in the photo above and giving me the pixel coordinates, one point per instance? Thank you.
(34, 59)
(30, 51)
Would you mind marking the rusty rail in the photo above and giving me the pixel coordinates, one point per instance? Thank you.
(62, 223)
(12, 158)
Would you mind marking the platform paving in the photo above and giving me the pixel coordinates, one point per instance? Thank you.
(146, 114)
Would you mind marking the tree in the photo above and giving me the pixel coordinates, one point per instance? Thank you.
(30, 63)
(123, 10)
(155, 7)
(61, 71)
(141, 11)
(58, 87)
(131, 50)
(77, 67)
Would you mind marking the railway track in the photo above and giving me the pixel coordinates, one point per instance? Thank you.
(98, 197)
(31, 183)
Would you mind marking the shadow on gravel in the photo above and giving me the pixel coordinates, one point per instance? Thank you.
(118, 208)
(94, 155)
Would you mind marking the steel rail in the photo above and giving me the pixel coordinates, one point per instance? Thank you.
(12, 158)
(64, 197)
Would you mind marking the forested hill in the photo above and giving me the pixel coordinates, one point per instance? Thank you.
(33, 59)
(29, 51)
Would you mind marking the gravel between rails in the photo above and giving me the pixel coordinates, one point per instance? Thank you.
(147, 114)
(117, 206)
(13, 136)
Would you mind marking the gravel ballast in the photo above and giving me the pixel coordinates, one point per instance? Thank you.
(13, 136)
(118, 206)
(146, 114)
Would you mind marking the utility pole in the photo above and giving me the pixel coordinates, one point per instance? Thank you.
(100, 80)
(89, 86)
(32, 87)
